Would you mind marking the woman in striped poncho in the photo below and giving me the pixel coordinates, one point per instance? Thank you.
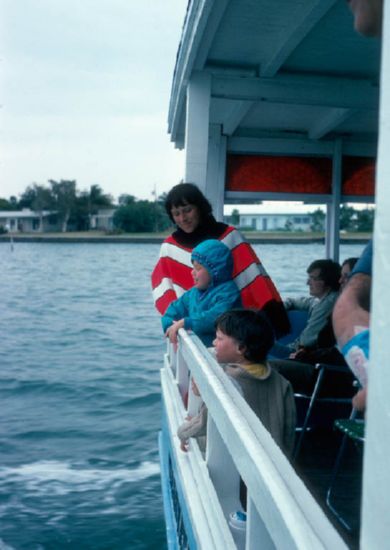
(192, 214)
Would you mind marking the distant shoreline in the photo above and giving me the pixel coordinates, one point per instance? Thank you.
(152, 238)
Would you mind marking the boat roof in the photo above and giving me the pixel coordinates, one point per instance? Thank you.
(282, 71)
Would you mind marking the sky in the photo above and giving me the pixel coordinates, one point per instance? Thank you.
(84, 94)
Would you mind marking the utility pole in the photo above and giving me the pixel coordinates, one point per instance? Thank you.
(154, 194)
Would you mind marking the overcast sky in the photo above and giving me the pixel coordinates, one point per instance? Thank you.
(84, 94)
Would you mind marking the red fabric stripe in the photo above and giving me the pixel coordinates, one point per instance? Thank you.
(178, 272)
(259, 292)
(227, 231)
(243, 257)
(163, 302)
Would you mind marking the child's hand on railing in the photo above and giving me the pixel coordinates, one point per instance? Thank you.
(172, 331)
(184, 446)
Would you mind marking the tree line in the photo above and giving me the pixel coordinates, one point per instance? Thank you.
(351, 219)
(74, 209)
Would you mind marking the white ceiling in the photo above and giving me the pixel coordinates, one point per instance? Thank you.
(280, 68)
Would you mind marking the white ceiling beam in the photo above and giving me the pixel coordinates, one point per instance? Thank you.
(194, 25)
(243, 197)
(200, 25)
(287, 146)
(299, 90)
(219, 7)
(328, 123)
(279, 146)
(239, 110)
(296, 32)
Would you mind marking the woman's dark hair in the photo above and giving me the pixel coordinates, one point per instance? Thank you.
(251, 329)
(187, 193)
(350, 262)
(330, 272)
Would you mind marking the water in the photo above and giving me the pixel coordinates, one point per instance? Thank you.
(81, 348)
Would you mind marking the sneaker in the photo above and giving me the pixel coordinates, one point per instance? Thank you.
(238, 519)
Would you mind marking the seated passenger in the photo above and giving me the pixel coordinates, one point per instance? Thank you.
(323, 280)
(346, 270)
(213, 293)
(301, 372)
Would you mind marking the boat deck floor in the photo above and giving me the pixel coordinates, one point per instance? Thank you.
(315, 465)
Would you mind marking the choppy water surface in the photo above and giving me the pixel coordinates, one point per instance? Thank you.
(81, 348)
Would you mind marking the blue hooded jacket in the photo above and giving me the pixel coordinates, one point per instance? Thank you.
(200, 308)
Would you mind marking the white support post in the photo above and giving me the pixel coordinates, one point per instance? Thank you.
(222, 470)
(333, 209)
(256, 531)
(182, 374)
(376, 479)
(197, 129)
(216, 169)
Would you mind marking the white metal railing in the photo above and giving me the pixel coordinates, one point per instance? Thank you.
(281, 511)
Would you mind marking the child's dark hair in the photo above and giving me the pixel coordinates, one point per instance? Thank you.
(251, 329)
(187, 193)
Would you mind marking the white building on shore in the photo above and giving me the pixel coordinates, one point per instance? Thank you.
(28, 221)
(276, 222)
(273, 217)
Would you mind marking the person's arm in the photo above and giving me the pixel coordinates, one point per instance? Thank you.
(176, 310)
(195, 427)
(204, 321)
(316, 321)
(353, 306)
(359, 401)
(172, 331)
(302, 303)
(348, 312)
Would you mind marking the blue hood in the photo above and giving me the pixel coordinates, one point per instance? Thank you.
(216, 258)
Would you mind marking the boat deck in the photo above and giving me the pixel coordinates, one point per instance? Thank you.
(315, 465)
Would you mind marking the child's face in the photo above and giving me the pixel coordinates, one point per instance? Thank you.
(201, 276)
(227, 349)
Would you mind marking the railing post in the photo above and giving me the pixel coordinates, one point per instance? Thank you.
(182, 374)
(256, 530)
(223, 471)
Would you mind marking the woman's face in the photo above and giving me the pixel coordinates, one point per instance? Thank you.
(186, 217)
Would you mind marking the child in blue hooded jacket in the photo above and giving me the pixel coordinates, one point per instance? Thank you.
(213, 293)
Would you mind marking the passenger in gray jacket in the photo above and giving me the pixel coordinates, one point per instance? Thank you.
(324, 284)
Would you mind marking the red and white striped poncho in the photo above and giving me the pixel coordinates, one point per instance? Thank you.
(172, 277)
